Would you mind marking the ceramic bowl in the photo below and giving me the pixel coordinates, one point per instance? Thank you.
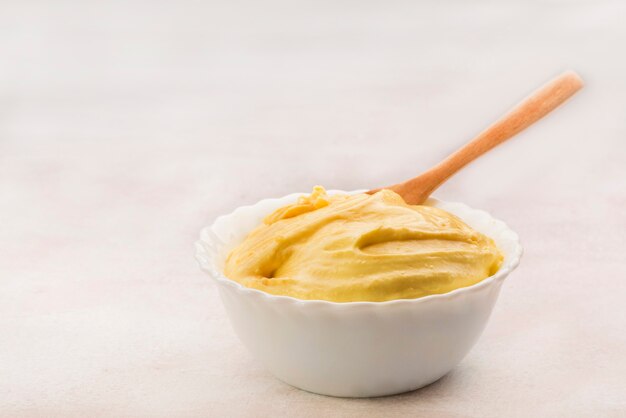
(355, 349)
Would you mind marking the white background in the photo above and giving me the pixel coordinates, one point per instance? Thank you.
(126, 126)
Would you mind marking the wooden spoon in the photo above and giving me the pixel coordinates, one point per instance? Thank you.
(416, 190)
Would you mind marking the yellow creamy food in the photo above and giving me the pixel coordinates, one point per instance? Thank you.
(361, 247)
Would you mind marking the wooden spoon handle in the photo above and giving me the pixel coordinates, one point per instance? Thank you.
(529, 111)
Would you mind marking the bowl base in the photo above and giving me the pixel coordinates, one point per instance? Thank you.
(367, 394)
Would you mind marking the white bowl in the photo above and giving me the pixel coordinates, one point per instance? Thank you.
(355, 349)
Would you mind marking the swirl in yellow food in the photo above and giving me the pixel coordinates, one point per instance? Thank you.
(361, 247)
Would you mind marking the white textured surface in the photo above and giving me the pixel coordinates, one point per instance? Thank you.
(126, 126)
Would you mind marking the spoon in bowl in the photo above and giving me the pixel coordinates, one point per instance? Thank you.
(544, 100)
